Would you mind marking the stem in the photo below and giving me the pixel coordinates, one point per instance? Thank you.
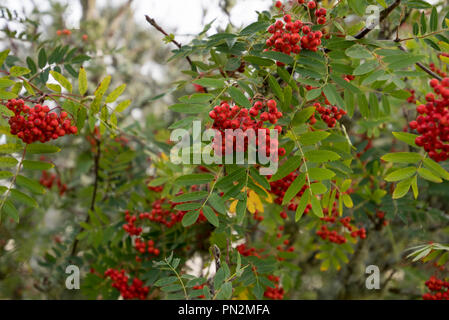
(159, 28)
(5, 197)
(179, 278)
(94, 194)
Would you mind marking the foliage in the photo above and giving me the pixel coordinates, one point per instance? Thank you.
(353, 187)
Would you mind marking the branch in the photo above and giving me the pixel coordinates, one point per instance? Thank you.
(383, 15)
(159, 28)
(420, 65)
(94, 194)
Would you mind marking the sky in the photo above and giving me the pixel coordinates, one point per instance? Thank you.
(181, 17)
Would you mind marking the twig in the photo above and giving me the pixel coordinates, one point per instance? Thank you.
(383, 15)
(420, 65)
(159, 28)
(94, 194)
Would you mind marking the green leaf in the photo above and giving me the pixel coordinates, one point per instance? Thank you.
(188, 206)
(42, 58)
(17, 71)
(54, 87)
(7, 162)
(217, 203)
(303, 115)
(436, 168)
(401, 174)
(316, 207)
(312, 137)
(6, 95)
(32, 185)
(31, 65)
(210, 215)
(294, 188)
(254, 28)
(190, 218)
(382, 3)
(318, 188)
(365, 67)
(402, 188)
(289, 166)
(320, 156)
(9, 148)
(358, 52)
(239, 98)
(40, 148)
(3, 56)
(37, 165)
(434, 19)
(62, 80)
(347, 201)
(279, 56)
(408, 138)
(6, 83)
(210, 82)
(115, 94)
(423, 23)
(313, 94)
(320, 174)
(258, 61)
(5, 175)
(102, 88)
(303, 202)
(10, 211)
(402, 157)
(189, 108)
(23, 198)
(82, 81)
(192, 196)
(191, 179)
(122, 106)
(415, 187)
(274, 85)
(428, 175)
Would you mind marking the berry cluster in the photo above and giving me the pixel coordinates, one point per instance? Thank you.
(47, 180)
(38, 123)
(332, 235)
(439, 289)
(330, 114)
(286, 37)
(381, 216)
(227, 117)
(348, 77)
(65, 32)
(247, 251)
(412, 98)
(276, 293)
(433, 121)
(440, 72)
(198, 88)
(148, 246)
(120, 281)
(199, 287)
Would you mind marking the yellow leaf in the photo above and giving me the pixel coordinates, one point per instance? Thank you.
(444, 59)
(256, 202)
(164, 156)
(233, 206)
(250, 206)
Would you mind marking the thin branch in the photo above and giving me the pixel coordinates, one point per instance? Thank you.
(383, 15)
(159, 28)
(423, 67)
(94, 194)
